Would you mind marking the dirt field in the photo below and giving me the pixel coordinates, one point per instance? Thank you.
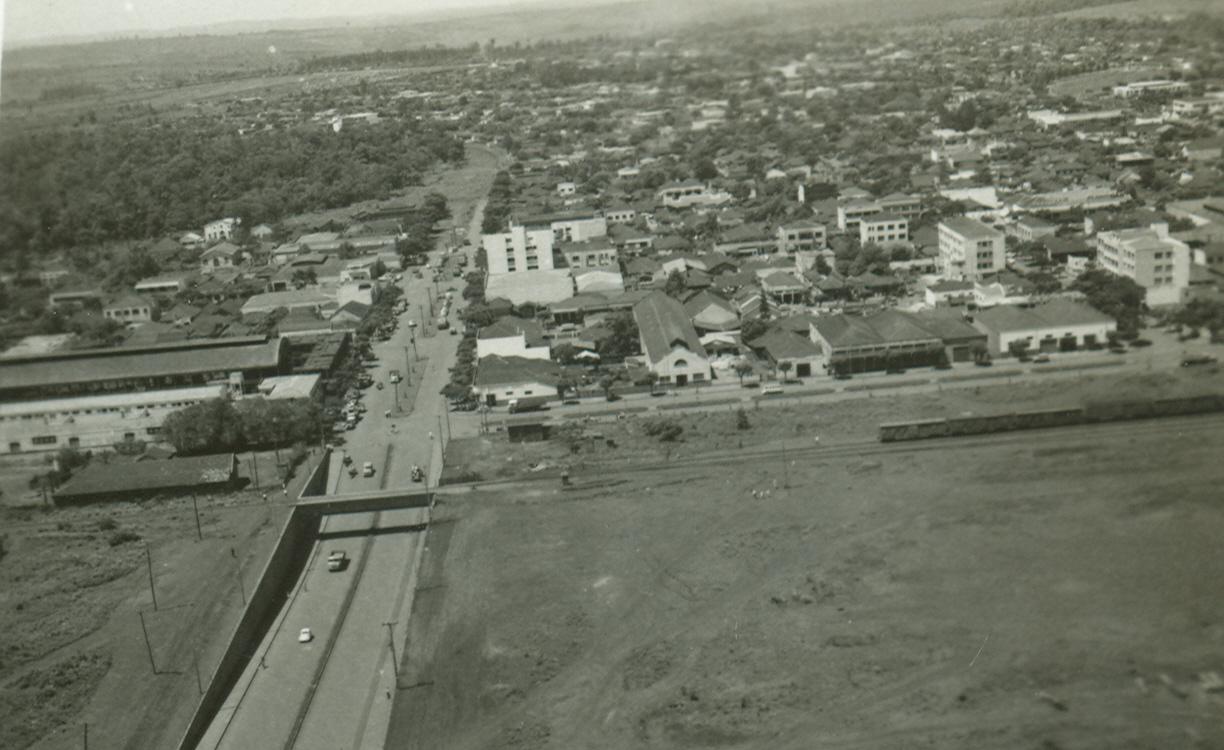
(1054, 589)
(72, 582)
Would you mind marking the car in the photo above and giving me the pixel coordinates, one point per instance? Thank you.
(305, 635)
(367, 469)
(379, 385)
(348, 460)
(1041, 359)
(983, 363)
(1192, 360)
(337, 560)
(1117, 349)
(1140, 343)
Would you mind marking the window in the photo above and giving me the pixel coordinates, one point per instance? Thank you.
(14, 447)
(44, 440)
(152, 430)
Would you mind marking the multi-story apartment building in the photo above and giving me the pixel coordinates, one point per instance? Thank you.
(567, 226)
(1151, 258)
(968, 249)
(802, 235)
(851, 212)
(884, 230)
(520, 249)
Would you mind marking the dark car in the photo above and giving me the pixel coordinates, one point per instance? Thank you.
(1193, 360)
(983, 363)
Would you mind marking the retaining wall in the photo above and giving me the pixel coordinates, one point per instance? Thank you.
(263, 605)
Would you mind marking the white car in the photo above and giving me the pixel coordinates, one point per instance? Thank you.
(305, 636)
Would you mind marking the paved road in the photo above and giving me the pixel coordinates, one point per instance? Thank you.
(337, 690)
(265, 702)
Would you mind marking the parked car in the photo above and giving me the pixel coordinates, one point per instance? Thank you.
(337, 560)
(305, 636)
(367, 469)
(1192, 360)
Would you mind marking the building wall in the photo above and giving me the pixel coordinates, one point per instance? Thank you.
(681, 362)
(520, 249)
(884, 233)
(1155, 261)
(999, 342)
(807, 238)
(510, 346)
(504, 392)
(93, 421)
(969, 258)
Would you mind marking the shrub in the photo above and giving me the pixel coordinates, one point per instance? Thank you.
(107, 524)
(122, 537)
(741, 419)
(666, 430)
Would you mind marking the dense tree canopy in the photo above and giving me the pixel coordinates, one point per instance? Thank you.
(135, 179)
(219, 425)
(1113, 295)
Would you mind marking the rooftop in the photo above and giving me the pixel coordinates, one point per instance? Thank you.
(663, 325)
(970, 229)
(145, 476)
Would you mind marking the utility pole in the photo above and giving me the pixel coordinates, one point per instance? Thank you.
(255, 468)
(195, 658)
(148, 646)
(149, 564)
(196, 506)
(391, 644)
(785, 467)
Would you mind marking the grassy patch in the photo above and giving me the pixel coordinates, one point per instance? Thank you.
(42, 700)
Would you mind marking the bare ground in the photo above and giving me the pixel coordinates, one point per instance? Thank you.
(1040, 590)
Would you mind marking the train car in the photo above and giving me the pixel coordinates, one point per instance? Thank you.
(917, 430)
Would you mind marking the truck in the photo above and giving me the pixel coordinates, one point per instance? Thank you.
(528, 403)
(443, 323)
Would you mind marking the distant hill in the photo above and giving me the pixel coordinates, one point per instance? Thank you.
(246, 49)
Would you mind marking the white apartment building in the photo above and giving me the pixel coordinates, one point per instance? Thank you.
(520, 249)
(568, 226)
(804, 235)
(884, 230)
(1150, 257)
(969, 250)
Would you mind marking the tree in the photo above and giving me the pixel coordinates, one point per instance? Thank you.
(743, 368)
(675, 286)
(752, 330)
(741, 419)
(1117, 296)
(566, 354)
(785, 367)
(705, 169)
(456, 392)
(624, 339)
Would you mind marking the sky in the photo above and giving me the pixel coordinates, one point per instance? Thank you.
(26, 20)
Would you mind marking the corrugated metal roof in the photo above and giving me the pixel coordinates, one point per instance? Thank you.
(664, 324)
(175, 358)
